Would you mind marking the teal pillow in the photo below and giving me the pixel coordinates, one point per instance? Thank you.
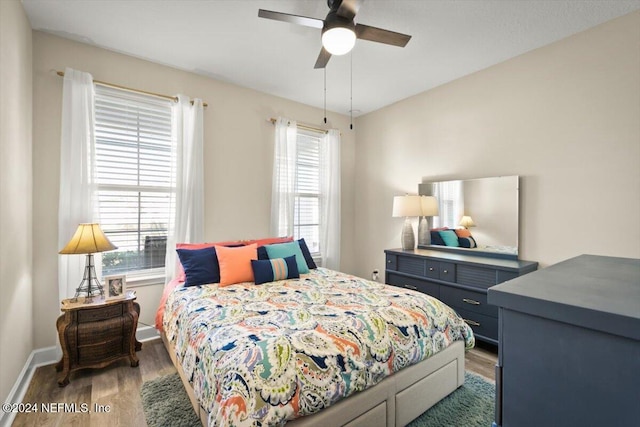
(450, 237)
(284, 250)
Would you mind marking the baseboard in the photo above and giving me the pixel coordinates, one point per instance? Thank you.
(48, 356)
(147, 333)
(37, 358)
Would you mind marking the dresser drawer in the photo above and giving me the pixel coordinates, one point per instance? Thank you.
(481, 324)
(411, 265)
(476, 276)
(423, 286)
(467, 300)
(447, 272)
(102, 313)
(392, 262)
(433, 269)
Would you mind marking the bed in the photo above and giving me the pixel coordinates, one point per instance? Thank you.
(325, 348)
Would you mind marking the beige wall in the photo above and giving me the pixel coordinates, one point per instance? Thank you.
(16, 326)
(238, 150)
(565, 117)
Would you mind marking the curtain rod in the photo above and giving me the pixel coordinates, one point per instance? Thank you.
(303, 126)
(159, 95)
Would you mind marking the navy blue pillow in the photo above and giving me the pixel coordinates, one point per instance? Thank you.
(436, 239)
(262, 253)
(200, 266)
(307, 254)
(467, 242)
(270, 270)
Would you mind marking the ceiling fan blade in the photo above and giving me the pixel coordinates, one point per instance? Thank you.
(293, 19)
(349, 8)
(379, 35)
(323, 58)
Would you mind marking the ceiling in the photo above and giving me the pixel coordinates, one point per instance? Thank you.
(225, 40)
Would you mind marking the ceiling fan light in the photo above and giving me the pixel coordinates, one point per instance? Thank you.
(338, 40)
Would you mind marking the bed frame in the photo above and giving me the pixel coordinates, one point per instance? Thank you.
(395, 401)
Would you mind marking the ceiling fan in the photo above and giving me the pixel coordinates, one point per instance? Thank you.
(339, 32)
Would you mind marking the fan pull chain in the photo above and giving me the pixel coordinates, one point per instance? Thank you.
(325, 94)
(351, 95)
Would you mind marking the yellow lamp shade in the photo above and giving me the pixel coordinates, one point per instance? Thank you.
(88, 239)
(467, 222)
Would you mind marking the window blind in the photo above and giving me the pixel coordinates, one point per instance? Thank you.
(307, 201)
(134, 167)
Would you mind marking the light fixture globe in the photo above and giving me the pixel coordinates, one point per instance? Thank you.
(338, 34)
(338, 40)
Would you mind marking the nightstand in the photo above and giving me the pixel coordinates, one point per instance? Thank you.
(97, 334)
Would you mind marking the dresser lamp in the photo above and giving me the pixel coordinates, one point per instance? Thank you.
(429, 207)
(467, 222)
(88, 239)
(407, 207)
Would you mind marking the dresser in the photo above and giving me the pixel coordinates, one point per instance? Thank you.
(96, 334)
(570, 345)
(459, 280)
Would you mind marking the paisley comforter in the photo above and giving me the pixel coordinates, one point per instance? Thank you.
(264, 354)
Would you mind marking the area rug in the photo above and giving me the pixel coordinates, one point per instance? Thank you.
(166, 403)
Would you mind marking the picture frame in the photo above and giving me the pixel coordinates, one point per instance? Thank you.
(115, 286)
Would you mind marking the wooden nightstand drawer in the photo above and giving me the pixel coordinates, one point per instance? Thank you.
(96, 353)
(110, 328)
(102, 313)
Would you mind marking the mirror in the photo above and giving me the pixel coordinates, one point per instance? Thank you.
(490, 210)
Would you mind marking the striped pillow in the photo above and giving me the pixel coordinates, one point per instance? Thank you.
(270, 270)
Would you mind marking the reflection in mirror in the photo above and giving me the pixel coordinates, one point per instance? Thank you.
(485, 208)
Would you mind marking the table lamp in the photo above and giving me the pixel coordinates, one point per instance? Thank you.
(429, 206)
(407, 206)
(88, 239)
(467, 222)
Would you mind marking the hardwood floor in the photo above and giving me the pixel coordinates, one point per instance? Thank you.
(118, 386)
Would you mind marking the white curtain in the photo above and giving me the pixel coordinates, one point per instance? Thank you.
(187, 223)
(330, 200)
(77, 167)
(284, 178)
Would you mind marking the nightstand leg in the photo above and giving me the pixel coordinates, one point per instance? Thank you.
(134, 360)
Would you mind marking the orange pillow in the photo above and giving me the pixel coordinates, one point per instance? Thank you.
(462, 232)
(235, 263)
(181, 276)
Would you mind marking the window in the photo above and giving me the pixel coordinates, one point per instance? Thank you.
(450, 203)
(134, 166)
(306, 221)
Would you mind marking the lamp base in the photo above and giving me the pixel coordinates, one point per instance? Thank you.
(408, 237)
(89, 282)
(424, 233)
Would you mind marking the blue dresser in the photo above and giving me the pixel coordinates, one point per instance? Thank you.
(569, 345)
(459, 280)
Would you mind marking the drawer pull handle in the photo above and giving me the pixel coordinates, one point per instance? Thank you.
(471, 322)
(470, 301)
(413, 288)
(430, 268)
(445, 271)
(388, 261)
